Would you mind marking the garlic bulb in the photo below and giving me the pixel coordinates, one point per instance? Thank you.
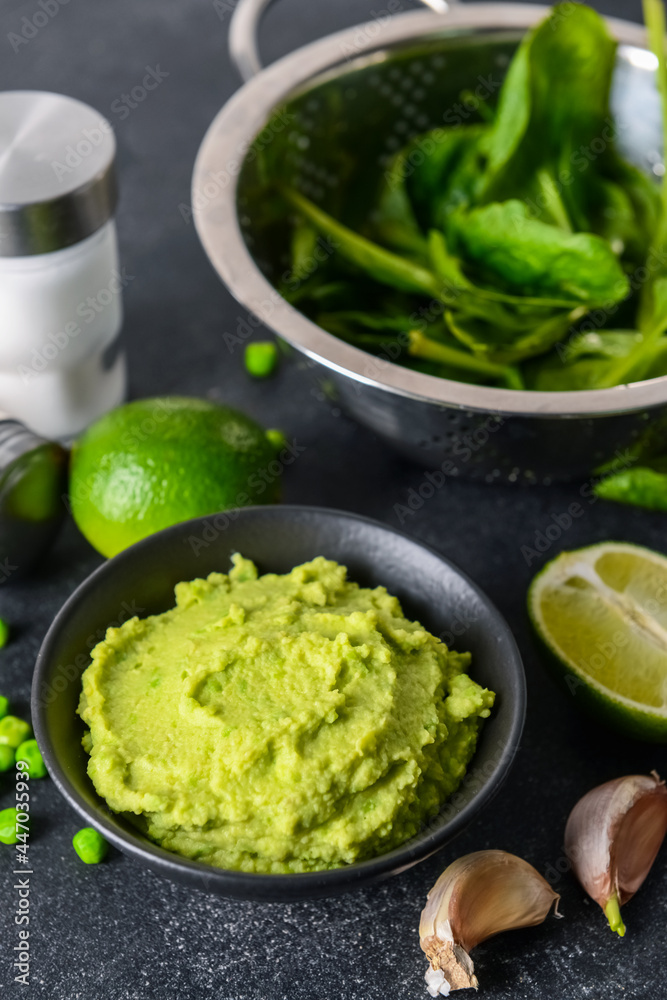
(478, 896)
(612, 837)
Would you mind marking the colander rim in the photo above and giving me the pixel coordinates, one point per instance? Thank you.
(214, 211)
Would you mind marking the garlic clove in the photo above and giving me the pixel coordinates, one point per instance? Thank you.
(612, 837)
(477, 896)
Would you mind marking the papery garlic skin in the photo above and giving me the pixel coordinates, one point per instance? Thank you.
(477, 896)
(612, 837)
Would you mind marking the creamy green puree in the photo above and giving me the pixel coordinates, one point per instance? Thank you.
(279, 723)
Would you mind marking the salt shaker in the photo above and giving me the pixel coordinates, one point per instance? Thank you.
(61, 284)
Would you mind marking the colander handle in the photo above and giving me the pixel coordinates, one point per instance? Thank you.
(244, 25)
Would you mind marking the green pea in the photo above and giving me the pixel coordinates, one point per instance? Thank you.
(261, 358)
(4, 632)
(29, 753)
(4, 706)
(277, 438)
(14, 731)
(9, 831)
(6, 757)
(90, 845)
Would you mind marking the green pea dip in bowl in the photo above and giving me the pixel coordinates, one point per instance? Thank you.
(288, 729)
(282, 723)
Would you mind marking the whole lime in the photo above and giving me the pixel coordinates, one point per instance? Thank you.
(155, 462)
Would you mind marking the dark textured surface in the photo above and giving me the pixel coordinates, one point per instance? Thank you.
(116, 931)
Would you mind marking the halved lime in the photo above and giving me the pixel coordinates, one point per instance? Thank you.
(602, 613)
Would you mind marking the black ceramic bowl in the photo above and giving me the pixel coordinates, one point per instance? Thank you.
(141, 581)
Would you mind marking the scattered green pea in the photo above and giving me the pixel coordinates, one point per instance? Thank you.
(90, 845)
(261, 358)
(4, 706)
(6, 757)
(30, 754)
(9, 832)
(277, 439)
(14, 731)
(4, 632)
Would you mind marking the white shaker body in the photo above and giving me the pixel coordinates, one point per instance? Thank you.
(61, 363)
(61, 286)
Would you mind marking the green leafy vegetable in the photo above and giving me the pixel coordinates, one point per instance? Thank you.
(444, 172)
(517, 249)
(530, 255)
(422, 347)
(642, 486)
(652, 312)
(386, 267)
(556, 97)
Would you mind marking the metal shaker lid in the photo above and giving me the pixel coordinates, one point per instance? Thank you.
(57, 183)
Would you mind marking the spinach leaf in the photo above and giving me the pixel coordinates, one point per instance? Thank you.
(424, 347)
(486, 244)
(589, 361)
(652, 314)
(393, 222)
(652, 321)
(556, 95)
(378, 322)
(382, 265)
(304, 244)
(529, 255)
(396, 339)
(549, 374)
(582, 362)
(528, 309)
(657, 365)
(642, 486)
(444, 170)
(599, 344)
(623, 206)
(513, 116)
(502, 344)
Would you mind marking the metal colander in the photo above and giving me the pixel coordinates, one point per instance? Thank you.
(328, 117)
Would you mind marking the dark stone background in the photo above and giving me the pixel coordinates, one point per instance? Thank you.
(117, 931)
